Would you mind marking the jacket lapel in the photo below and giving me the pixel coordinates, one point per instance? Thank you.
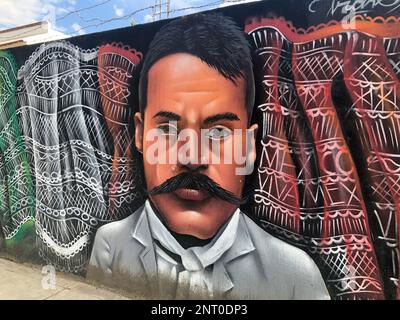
(243, 245)
(141, 232)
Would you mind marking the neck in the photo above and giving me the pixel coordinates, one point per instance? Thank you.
(185, 240)
(188, 241)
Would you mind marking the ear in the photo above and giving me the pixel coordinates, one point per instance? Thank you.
(139, 132)
(252, 155)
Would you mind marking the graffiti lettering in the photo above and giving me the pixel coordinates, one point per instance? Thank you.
(347, 7)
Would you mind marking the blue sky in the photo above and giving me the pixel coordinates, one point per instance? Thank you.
(109, 14)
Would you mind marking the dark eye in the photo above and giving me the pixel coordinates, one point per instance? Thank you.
(167, 129)
(218, 133)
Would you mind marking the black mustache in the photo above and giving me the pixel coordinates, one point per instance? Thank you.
(196, 181)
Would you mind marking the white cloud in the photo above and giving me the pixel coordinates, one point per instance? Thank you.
(78, 29)
(119, 12)
(25, 12)
(148, 18)
(29, 11)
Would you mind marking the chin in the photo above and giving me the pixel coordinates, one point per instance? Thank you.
(200, 219)
(196, 224)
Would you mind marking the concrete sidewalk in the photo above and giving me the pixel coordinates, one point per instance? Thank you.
(23, 281)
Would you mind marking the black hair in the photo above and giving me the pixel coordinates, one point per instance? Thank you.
(213, 38)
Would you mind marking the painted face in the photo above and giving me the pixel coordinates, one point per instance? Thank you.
(185, 95)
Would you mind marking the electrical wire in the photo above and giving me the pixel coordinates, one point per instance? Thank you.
(124, 17)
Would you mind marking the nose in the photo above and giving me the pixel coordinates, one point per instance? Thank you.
(193, 167)
(191, 155)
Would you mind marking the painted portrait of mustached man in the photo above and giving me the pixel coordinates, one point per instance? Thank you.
(190, 239)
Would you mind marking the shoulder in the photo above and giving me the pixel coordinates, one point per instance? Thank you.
(286, 262)
(117, 229)
(108, 238)
(270, 246)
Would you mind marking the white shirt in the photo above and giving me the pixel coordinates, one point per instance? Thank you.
(194, 274)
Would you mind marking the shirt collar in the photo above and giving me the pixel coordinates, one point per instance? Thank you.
(195, 258)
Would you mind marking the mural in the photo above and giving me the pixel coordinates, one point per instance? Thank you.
(316, 94)
(309, 190)
(70, 104)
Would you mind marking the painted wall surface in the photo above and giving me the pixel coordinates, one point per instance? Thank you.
(327, 175)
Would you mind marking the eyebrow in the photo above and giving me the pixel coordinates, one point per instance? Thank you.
(168, 114)
(221, 116)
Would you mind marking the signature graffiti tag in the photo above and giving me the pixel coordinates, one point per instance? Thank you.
(348, 7)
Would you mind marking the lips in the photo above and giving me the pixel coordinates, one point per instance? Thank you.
(191, 194)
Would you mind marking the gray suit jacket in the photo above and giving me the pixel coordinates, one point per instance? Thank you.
(257, 266)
